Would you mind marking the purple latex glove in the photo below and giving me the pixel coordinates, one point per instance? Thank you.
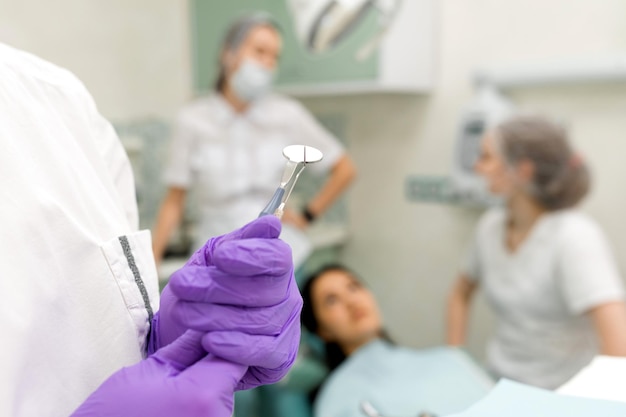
(239, 290)
(178, 380)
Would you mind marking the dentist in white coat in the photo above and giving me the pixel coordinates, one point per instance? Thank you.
(83, 330)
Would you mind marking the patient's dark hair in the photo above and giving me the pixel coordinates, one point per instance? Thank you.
(334, 356)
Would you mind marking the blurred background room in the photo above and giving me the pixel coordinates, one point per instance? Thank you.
(406, 86)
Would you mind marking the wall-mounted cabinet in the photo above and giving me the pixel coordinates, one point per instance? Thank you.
(402, 63)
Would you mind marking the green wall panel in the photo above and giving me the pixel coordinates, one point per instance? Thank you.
(210, 19)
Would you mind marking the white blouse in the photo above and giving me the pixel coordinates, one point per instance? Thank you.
(234, 161)
(540, 293)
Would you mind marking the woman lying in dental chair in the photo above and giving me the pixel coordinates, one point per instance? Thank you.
(369, 374)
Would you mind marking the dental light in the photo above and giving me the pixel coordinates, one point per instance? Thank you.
(322, 24)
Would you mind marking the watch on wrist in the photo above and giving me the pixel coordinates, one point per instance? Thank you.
(308, 215)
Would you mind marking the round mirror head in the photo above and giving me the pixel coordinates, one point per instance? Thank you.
(302, 154)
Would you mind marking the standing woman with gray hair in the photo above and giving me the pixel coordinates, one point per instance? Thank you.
(546, 268)
(229, 143)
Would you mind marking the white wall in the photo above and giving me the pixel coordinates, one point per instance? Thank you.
(409, 252)
(132, 55)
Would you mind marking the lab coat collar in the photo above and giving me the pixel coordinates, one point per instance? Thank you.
(256, 113)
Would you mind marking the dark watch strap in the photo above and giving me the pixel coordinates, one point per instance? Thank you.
(308, 215)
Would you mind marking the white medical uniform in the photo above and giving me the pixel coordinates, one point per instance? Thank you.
(235, 162)
(78, 281)
(541, 292)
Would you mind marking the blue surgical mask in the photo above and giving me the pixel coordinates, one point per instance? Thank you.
(251, 80)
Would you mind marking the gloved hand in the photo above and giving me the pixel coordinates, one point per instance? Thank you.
(178, 380)
(239, 290)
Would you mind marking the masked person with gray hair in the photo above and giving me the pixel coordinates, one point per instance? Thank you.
(546, 268)
(228, 145)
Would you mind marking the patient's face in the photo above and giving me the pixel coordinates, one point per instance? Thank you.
(346, 311)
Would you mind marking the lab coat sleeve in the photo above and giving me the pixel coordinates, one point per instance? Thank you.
(119, 166)
(83, 117)
(587, 272)
(66, 187)
(178, 172)
(310, 132)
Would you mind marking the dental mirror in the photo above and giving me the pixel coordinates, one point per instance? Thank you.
(302, 153)
(298, 156)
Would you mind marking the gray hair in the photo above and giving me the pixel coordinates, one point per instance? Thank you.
(561, 179)
(236, 34)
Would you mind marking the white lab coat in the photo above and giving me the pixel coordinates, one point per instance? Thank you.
(75, 296)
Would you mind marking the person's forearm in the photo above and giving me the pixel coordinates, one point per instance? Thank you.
(610, 323)
(458, 310)
(614, 348)
(168, 219)
(457, 315)
(342, 175)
